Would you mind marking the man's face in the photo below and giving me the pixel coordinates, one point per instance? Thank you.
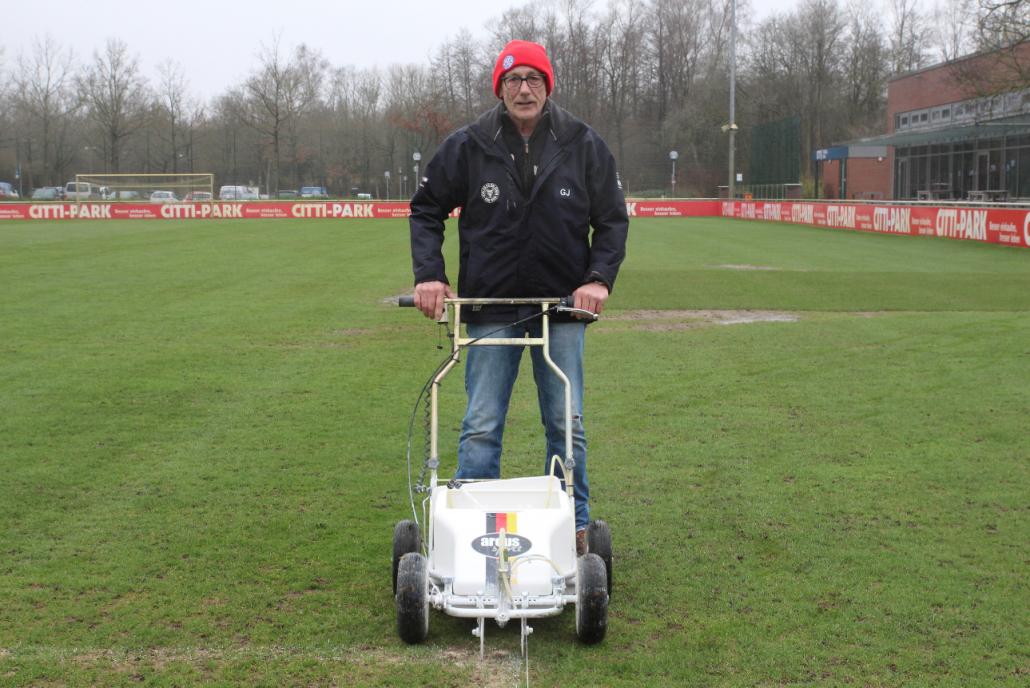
(524, 102)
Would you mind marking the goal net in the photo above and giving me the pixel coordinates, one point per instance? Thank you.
(184, 186)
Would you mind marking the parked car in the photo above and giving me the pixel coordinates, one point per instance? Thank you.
(198, 196)
(7, 191)
(163, 197)
(46, 193)
(128, 195)
(238, 193)
(79, 191)
(231, 193)
(313, 192)
(288, 193)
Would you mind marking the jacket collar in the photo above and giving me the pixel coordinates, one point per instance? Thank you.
(561, 126)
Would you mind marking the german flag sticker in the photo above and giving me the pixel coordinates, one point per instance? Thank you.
(487, 543)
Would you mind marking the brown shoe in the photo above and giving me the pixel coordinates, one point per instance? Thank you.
(581, 542)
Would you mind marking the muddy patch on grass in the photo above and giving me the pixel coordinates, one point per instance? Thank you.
(499, 667)
(664, 321)
(731, 266)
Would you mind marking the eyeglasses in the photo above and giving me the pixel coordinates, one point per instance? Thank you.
(514, 83)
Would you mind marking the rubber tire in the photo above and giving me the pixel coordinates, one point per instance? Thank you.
(406, 539)
(599, 542)
(412, 598)
(591, 599)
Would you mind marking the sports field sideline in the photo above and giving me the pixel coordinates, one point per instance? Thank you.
(811, 446)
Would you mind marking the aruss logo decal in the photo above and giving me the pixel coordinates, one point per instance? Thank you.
(486, 544)
(490, 192)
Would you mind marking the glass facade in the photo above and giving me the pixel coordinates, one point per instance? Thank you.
(952, 170)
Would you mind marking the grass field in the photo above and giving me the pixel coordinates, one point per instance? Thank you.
(202, 432)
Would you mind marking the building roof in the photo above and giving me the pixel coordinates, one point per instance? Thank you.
(983, 54)
(1008, 126)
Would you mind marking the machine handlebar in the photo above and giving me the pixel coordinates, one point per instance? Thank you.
(565, 304)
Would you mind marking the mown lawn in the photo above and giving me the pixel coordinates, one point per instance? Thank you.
(203, 424)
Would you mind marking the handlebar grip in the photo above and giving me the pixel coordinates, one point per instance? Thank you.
(567, 303)
(406, 301)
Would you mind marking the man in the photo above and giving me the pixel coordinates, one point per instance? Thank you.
(531, 180)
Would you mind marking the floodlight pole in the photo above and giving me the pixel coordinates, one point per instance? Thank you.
(672, 156)
(730, 191)
(417, 157)
(387, 175)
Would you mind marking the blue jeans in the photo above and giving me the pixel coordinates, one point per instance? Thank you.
(490, 373)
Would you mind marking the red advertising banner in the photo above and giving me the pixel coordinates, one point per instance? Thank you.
(200, 211)
(279, 209)
(651, 208)
(998, 226)
(1005, 226)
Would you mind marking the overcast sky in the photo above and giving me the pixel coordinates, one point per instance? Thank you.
(216, 42)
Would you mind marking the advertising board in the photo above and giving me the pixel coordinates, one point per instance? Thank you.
(1006, 226)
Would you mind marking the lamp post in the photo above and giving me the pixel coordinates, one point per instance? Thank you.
(17, 166)
(417, 157)
(387, 175)
(672, 156)
(732, 126)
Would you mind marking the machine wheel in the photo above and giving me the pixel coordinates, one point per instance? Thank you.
(412, 598)
(599, 542)
(406, 538)
(591, 599)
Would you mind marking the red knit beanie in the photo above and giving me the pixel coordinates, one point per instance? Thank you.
(525, 54)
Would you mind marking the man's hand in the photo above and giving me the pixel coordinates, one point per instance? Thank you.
(429, 298)
(590, 297)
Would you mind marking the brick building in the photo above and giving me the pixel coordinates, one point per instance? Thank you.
(959, 130)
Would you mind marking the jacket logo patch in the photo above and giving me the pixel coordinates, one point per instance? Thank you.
(565, 192)
(490, 192)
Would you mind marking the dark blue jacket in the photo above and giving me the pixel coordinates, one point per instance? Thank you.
(514, 241)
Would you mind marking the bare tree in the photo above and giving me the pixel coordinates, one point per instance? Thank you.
(954, 28)
(621, 37)
(116, 97)
(469, 74)
(864, 72)
(578, 59)
(277, 95)
(368, 89)
(174, 107)
(1003, 23)
(44, 95)
(909, 36)
(1003, 37)
(1003, 27)
(522, 22)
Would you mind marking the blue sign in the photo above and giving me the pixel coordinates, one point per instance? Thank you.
(835, 153)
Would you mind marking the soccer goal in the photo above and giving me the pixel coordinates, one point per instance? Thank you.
(144, 187)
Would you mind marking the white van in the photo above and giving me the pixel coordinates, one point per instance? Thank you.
(78, 191)
(238, 193)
